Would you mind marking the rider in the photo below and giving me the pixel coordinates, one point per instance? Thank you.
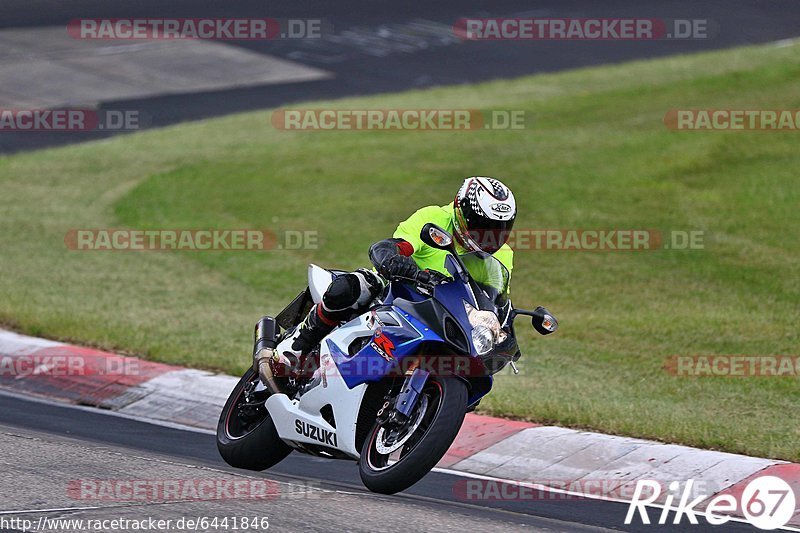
(480, 218)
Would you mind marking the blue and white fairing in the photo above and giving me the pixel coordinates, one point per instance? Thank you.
(367, 349)
(397, 322)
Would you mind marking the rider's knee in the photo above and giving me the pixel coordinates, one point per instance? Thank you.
(342, 294)
(351, 293)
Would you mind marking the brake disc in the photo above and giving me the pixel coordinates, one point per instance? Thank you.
(385, 449)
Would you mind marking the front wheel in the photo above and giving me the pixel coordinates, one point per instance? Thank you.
(246, 435)
(393, 459)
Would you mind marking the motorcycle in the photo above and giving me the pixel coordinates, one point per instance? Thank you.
(391, 387)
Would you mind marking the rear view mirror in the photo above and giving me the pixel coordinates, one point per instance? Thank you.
(436, 237)
(543, 321)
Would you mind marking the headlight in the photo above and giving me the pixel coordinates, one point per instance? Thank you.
(483, 339)
(486, 330)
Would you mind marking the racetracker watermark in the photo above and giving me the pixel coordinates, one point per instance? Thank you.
(399, 119)
(734, 366)
(540, 490)
(592, 240)
(213, 29)
(202, 489)
(382, 361)
(200, 240)
(733, 119)
(55, 363)
(71, 120)
(584, 29)
(144, 523)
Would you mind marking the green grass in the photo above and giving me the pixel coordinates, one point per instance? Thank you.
(596, 155)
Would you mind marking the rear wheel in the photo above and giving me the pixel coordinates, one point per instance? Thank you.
(393, 459)
(246, 435)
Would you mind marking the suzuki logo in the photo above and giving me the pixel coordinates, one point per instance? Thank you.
(315, 433)
(384, 346)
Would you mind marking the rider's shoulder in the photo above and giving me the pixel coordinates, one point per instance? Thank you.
(505, 255)
(440, 210)
(438, 215)
(506, 249)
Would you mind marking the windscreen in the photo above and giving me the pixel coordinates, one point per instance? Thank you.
(489, 274)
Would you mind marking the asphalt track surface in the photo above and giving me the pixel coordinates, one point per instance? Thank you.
(44, 446)
(39, 442)
(376, 48)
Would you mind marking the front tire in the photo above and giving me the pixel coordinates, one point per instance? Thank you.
(250, 442)
(444, 401)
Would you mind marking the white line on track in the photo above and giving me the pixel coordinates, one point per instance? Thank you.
(545, 488)
(181, 427)
(54, 510)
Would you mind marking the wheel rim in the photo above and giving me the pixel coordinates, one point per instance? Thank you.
(384, 448)
(247, 412)
(382, 456)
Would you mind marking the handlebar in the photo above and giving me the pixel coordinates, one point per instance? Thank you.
(426, 278)
(431, 277)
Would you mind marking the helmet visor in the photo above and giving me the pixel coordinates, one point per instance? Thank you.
(491, 235)
(483, 234)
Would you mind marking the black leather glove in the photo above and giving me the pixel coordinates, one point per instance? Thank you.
(389, 262)
(399, 266)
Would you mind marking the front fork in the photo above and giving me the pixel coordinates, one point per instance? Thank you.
(404, 402)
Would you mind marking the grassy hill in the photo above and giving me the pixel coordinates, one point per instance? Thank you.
(595, 154)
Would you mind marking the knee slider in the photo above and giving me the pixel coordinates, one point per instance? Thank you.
(369, 281)
(342, 293)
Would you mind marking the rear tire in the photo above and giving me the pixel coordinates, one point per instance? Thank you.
(252, 447)
(427, 444)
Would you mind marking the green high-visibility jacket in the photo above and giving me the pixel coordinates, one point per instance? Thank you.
(431, 258)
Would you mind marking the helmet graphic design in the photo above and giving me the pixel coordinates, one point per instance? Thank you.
(484, 213)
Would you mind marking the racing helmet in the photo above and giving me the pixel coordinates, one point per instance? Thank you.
(484, 211)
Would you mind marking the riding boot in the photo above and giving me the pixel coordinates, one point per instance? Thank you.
(304, 339)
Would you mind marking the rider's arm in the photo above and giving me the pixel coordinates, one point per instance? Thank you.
(392, 257)
(409, 229)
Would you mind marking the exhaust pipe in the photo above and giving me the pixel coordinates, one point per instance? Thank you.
(264, 343)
